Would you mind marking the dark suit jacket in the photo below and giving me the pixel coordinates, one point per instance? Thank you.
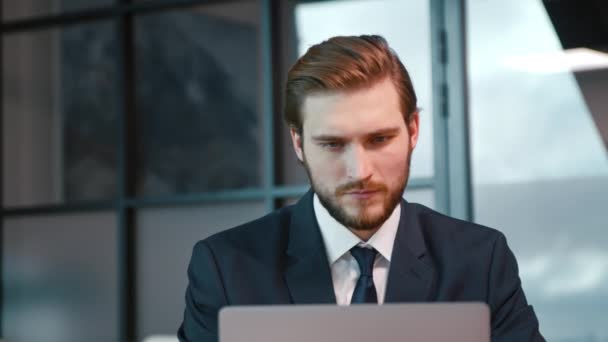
(280, 259)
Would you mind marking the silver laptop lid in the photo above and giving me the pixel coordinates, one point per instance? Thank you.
(428, 322)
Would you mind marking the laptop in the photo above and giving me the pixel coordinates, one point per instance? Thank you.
(420, 322)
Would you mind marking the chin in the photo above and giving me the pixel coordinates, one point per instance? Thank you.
(370, 214)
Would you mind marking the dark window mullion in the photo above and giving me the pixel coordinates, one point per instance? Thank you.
(268, 55)
(440, 115)
(120, 9)
(125, 57)
(1, 179)
(276, 48)
(138, 202)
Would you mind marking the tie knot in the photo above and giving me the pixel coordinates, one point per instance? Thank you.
(365, 258)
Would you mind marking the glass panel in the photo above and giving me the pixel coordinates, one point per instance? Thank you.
(59, 115)
(540, 167)
(422, 196)
(165, 240)
(60, 278)
(13, 10)
(406, 26)
(197, 96)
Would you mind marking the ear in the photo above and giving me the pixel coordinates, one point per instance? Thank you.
(296, 139)
(413, 128)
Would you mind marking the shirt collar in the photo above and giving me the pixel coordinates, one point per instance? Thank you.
(338, 239)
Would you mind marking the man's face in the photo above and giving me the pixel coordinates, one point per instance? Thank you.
(356, 148)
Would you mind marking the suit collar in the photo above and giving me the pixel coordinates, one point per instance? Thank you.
(307, 272)
(308, 275)
(410, 274)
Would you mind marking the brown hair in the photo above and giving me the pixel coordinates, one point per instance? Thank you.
(346, 63)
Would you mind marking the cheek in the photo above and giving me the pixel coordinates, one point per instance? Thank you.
(393, 164)
(325, 167)
(328, 169)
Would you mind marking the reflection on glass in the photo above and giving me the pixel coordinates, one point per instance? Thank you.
(197, 98)
(540, 168)
(59, 115)
(406, 26)
(22, 9)
(165, 240)
(60, 278)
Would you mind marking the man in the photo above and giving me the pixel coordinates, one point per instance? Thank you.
(352, 113)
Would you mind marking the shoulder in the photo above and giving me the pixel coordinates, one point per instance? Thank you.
(266, 233)
(444, 234)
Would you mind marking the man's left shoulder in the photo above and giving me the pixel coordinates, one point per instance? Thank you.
(454, 234)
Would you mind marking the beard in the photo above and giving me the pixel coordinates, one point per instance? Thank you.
(363, 220)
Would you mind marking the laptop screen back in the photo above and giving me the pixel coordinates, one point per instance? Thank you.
(429, 322)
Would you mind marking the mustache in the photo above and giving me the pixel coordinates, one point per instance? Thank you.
(359, 186)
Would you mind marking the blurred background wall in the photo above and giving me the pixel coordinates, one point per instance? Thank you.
(132, 129)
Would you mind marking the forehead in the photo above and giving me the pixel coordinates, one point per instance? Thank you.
(353, 112)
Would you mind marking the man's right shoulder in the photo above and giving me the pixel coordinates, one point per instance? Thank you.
(266, 232)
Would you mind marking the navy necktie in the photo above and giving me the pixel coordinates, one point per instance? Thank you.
(365, 291)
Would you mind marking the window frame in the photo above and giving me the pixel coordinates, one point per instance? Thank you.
(450, 181)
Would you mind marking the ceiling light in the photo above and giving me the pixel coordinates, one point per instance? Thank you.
(571, 60)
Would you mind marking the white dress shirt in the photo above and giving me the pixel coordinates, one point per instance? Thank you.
(344, 268)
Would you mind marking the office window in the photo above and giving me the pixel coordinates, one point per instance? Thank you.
(197, 88)
(59, 115)
(165, 240)
(423, 196)
(183, 98)
(23, 9)
(540, 167)
(59, 278)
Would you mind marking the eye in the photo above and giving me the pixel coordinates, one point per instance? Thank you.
(331, 145)
(380, 139)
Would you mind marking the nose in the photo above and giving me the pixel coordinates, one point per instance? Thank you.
(358, 164)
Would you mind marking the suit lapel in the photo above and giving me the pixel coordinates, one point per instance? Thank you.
(307, 272)
(409, 277)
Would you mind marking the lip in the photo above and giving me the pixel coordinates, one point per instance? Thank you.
(362, 194)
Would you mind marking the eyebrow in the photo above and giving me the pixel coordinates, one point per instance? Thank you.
(383, 131)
